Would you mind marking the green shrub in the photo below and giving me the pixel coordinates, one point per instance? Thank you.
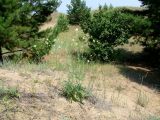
(63, 23)
(42, 46)
(74, 91)
(9, 92)
(78, 11)
(110, 28)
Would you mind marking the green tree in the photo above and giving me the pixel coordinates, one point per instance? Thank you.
(109, 28)
(20, 21)
(63, 23)
(154, 8)
(78, 11)
(152, 41)
(153, 14)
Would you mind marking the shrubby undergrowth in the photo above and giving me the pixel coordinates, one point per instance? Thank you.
(43, 45)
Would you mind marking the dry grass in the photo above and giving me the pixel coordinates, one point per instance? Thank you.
(114, 87)
(51, 22)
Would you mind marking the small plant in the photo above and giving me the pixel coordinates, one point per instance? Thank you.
(43, 46)
(142, 99)
(9, 93)
(33, 88)
(75, 91)
(117, 99)
(119, 88)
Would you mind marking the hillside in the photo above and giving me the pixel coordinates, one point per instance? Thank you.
(119, 92)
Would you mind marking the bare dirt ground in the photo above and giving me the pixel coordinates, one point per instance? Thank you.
(114, 97)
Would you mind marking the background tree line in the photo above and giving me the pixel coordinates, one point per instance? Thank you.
(107, 27)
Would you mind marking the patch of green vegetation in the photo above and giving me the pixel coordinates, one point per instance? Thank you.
(78, 12)
(72, 88)
(109, 28)
(75, 91)
(63, 23)
(9, 92)
(153, 118)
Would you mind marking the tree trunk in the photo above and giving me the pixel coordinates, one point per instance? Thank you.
(1, 58)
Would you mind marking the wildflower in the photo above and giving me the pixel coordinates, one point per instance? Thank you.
(46, 42)
(76, 44)
(73, 40)
(76, 30)
(35, 46)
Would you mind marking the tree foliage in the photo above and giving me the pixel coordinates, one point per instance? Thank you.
(78, 11)
(152, 38)
(63, 22)
(154, 8)
(154, 15)
(20, 21)
(109, 28)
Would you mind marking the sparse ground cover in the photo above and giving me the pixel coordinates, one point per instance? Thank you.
(118, 91)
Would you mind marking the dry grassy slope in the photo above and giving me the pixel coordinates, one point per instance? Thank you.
(115, 88)
(51, 21)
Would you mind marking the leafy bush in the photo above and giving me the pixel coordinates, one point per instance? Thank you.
(74, 91)
(63, 23)
(78, 12)
(43, 45)
(110, 28)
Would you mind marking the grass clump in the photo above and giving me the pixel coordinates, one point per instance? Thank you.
(75, 91)
(153, 118)
(142, 99)
(9, 93)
